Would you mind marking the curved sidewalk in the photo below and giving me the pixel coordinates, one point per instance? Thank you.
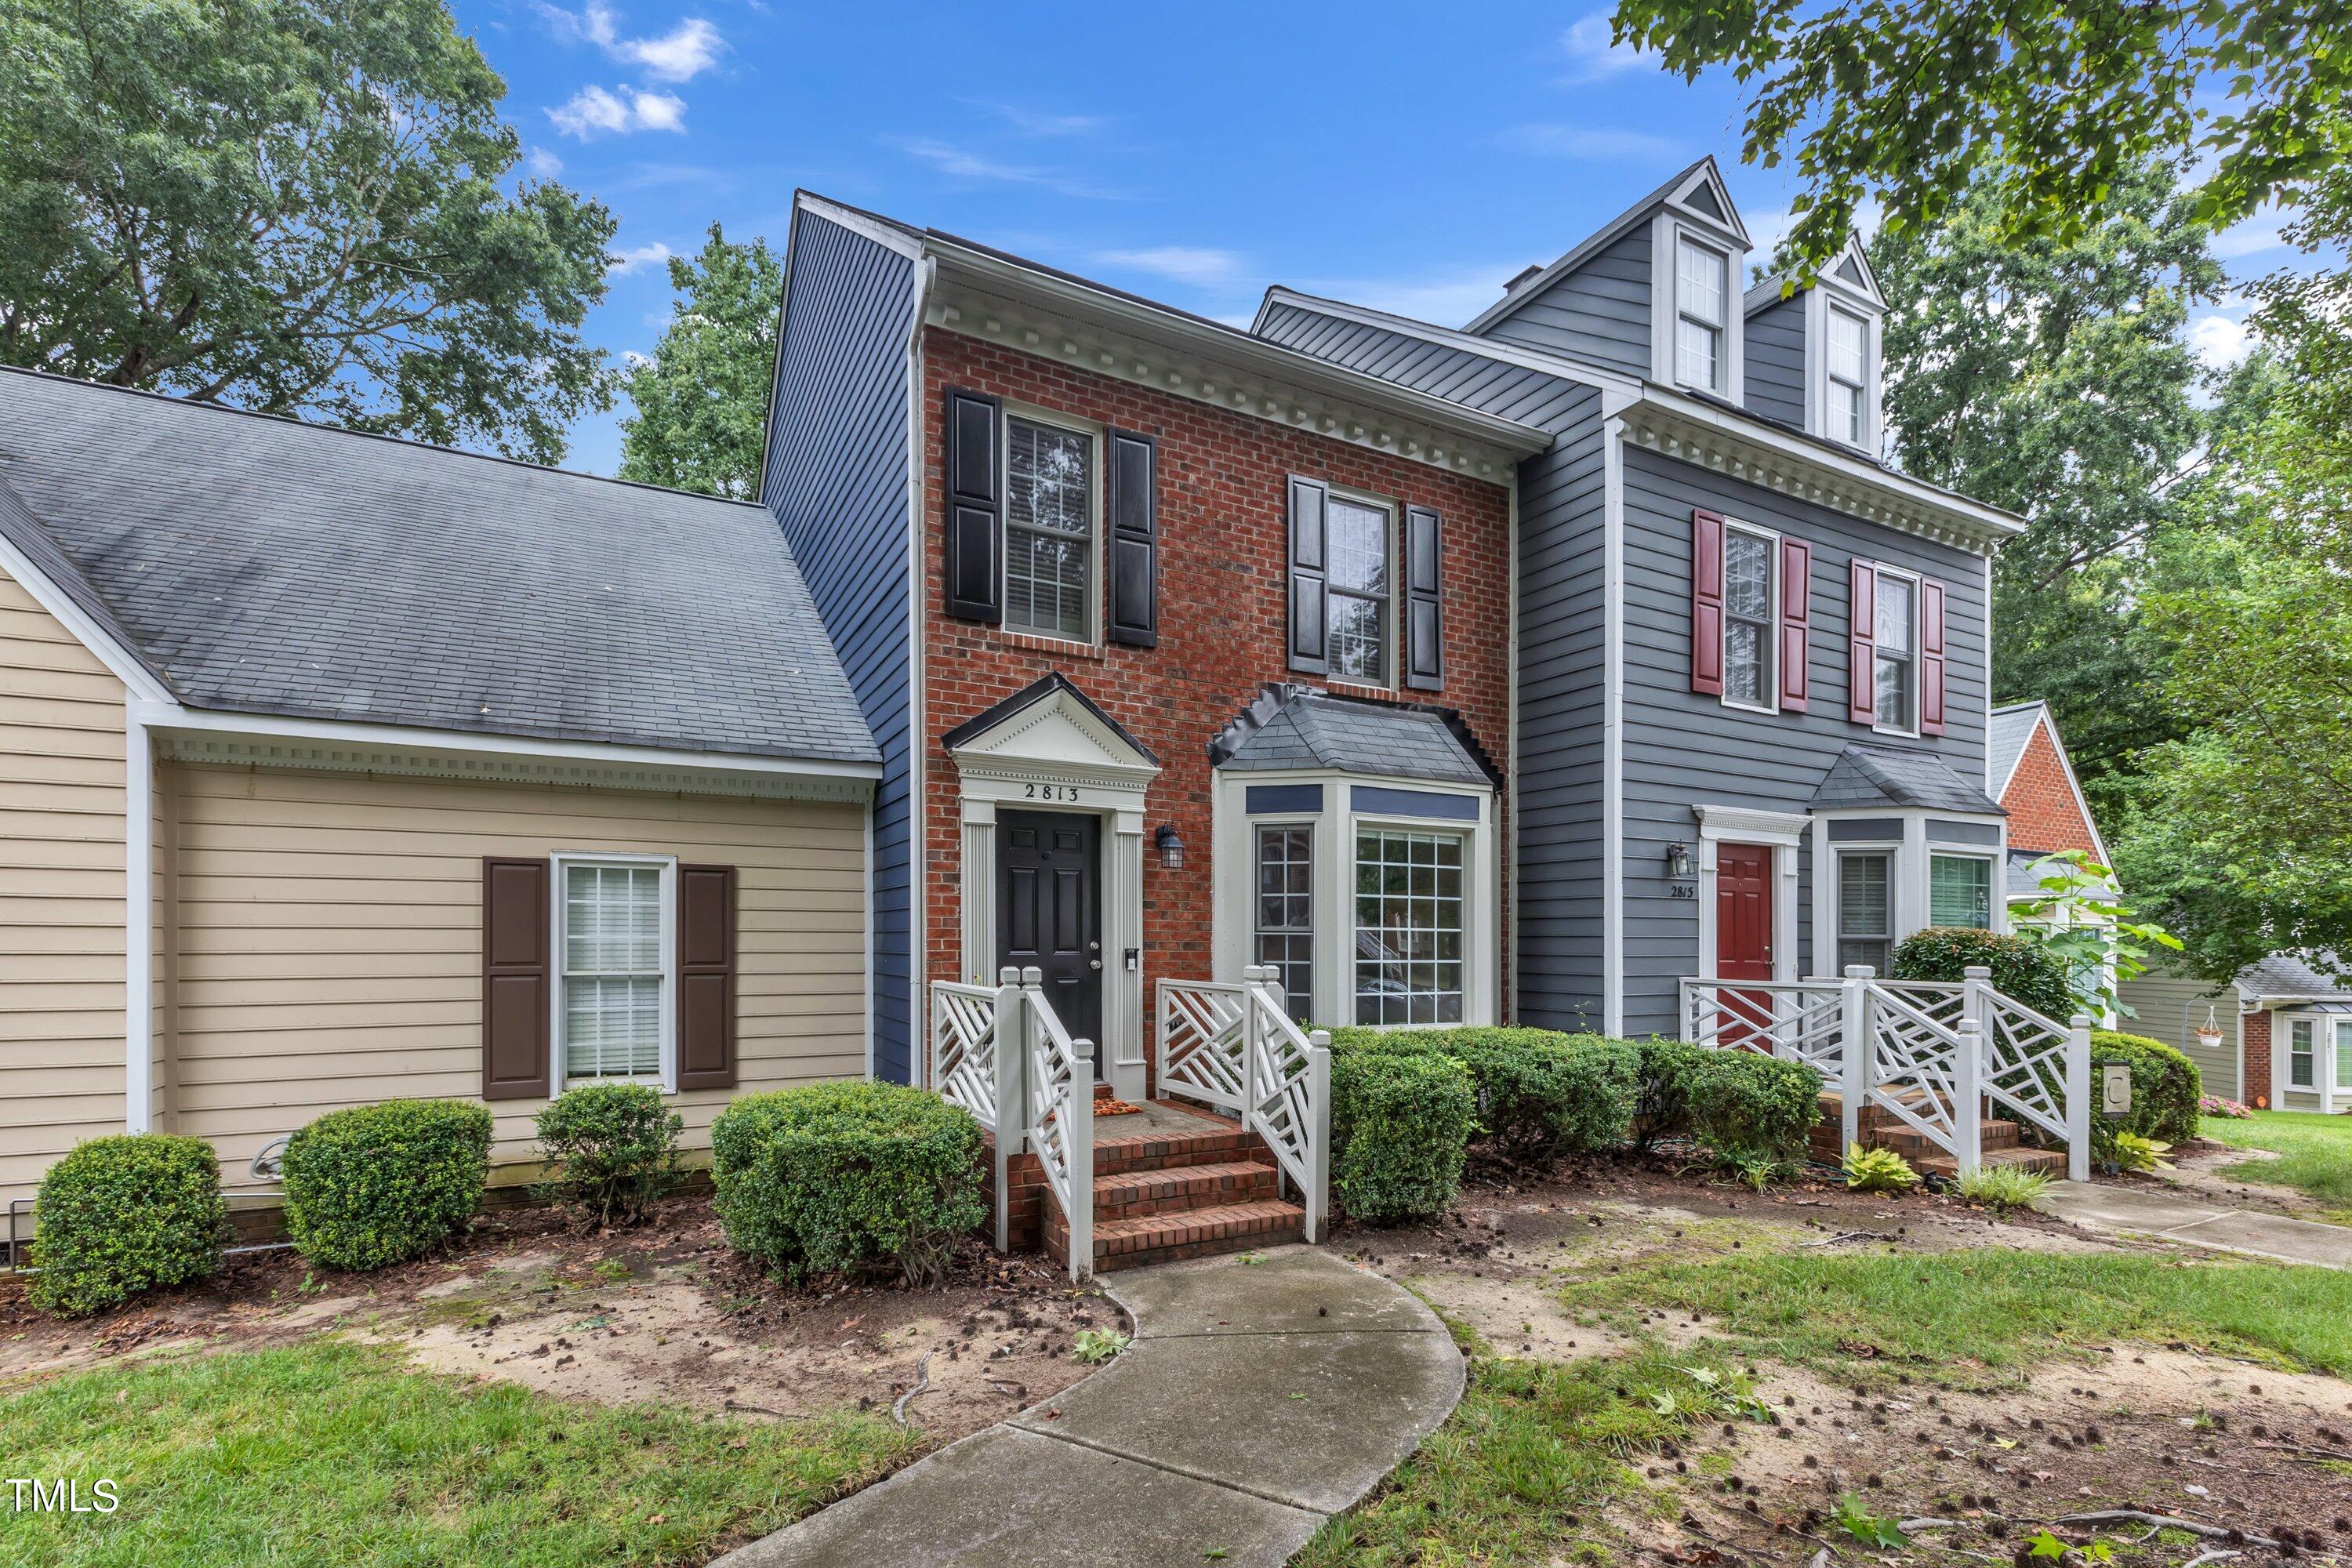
(1258, 1399)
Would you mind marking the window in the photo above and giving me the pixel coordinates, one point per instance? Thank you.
(1849, 358)
(616, 966)
(1286, 912)
(2344, 1055)
(2302, 1040)
(1865, 916)
(1960, 891)
(1701, 286)
(1747, 636)
(1355, 643)
(1896, 679)
(1049, 533)
(1408, 927)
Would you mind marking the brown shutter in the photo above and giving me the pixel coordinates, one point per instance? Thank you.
(1308, 500)
(1706, 603)
(1931, 658)
(705, 977)
(1133, 492)
(1796, 623)
(975, 521)
(515, 999)
(1862, 645)
(1424, 599)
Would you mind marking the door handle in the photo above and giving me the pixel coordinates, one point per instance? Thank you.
(1093, 964)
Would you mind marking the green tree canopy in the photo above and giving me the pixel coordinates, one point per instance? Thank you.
(702, 399)
(298, 207)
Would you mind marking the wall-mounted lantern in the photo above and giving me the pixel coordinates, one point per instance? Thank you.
(1170, 845)
(1681, 864)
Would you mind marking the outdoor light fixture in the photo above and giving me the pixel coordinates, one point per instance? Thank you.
(1171, 845)
(1681, 866)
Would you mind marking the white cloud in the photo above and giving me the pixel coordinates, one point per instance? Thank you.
(2219, 340)
(594, 112)
(1195, 265)
(683, 53)
(1591, 57)
(1585, 141)
(1031, 122)
(654, 253)
(542, 163)
(965, 164)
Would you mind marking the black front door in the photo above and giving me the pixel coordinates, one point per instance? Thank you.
(1047, 912)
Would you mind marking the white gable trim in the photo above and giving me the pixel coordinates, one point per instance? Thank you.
(1728, 226)
(119, 661)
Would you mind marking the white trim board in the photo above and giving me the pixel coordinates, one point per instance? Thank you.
(1612, 731)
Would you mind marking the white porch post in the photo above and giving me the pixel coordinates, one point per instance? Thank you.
(2078, 1098)
(1967, 1098)
(976, 891)
(1853, 1055)
(1012, 1093)
(1318, 1098)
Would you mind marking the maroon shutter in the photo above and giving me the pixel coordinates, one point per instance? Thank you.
(1706, 603)
(1133, 492)
(1309, 501)
(1424, 599)
(516, 1001)
(1862, 645)
(1931, 658)
(705, 977)
(1795, 622)
(975, 506)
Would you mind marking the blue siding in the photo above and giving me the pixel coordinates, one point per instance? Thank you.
(1599, 312)
(1774, 368)
(836, 479)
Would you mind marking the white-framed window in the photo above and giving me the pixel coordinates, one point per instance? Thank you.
(2303, 1053)
(1960, 891)
(1360, 581)
(1051, 507)
(615, 991)
(1408, 933)
(1865, 908)
(1701, 308)
(1285, 918)
(1895, 662)
(1750, 628)
(1848, 370)
(2343, 1055)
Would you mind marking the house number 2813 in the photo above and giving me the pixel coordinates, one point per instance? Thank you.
(1049, 791)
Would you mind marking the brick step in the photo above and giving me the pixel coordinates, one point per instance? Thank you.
(2049, 1162)
(1133, 1193)
(1145, 1239)
(1117, 1154)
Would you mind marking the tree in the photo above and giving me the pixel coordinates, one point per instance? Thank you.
(702, 399)
(2057, 101)
(2052, 377)
(295, 206)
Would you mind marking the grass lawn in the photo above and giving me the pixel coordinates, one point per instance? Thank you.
(333, 1454)
(2314, 1154)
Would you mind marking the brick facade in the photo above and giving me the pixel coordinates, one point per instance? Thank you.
(2254, 1081)
(2045, 815)
(1224, 535)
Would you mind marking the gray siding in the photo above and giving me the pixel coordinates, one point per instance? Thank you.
(1774, 367)
(1599, 312)
(836, 478)
(1684, 749)
(2168, 1007)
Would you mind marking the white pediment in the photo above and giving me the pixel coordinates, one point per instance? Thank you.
(1058, 735)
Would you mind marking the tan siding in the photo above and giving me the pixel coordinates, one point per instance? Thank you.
(2169, 1007)
(61, 907)
(327, 931)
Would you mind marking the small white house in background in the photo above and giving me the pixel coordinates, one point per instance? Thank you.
(2296, 1022)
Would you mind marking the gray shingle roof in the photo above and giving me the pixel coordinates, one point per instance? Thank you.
(1878, 776)
(2006, 731)
(1292, 726)
(2290, 974)
(266, 566)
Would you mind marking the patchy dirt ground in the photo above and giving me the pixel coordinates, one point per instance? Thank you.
(2199, 1170)
(664, 1312)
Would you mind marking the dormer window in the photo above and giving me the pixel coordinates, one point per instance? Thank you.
(1849, 386)
(1702, 304)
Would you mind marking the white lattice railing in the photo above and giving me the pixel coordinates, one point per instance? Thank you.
(1799, 1020)
(1060, 1120)
(1235, 1047)
(976, 1062)
(1199, 1041)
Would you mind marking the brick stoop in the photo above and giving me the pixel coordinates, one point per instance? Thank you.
(1879, 1128)
(1159, 1196)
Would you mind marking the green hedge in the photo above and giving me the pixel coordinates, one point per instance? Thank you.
(610, 1150)
(1400, 1120)
(1540, 1092)
(2166, 1085)
(118, 1216)
(1739, 1105)
(846, 1176)
(379, 1185)
(2020, 970)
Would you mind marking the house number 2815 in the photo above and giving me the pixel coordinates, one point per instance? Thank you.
(1049, 791)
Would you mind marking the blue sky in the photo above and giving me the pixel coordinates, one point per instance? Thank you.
(1411, 157)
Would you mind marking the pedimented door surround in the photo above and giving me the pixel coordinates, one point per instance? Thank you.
(1049, 748)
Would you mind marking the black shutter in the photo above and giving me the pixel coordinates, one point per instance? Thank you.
(1134, 494)
(1424, 596)
(1308, 499)
(705, 977)
(975, 506)
(516, 1016)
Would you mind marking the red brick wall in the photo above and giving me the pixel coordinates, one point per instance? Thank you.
(1222, 618)
(2043, 813)
(2254, 1083)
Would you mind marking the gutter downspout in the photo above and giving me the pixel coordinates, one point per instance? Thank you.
(919, 1012)
(137, 922)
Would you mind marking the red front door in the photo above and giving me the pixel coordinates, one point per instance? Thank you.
(1743, 936)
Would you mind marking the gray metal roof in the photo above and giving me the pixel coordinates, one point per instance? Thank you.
(266, 566)
(2291, 974)
(2006, 731)
(1293, 726)
(1883, 777)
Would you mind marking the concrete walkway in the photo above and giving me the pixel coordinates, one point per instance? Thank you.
(1258, 1399)
(2138, 1210)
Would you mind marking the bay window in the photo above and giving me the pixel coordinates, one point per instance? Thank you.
(1286, 912)
(1409, 935)
(1865, 912)
(1960, 891)
(1702, 292)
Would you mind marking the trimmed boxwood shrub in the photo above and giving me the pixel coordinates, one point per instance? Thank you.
(2020, 970)
(1743, 1107)
(1400, 1119)
(1540, 1092)
(122, 1214)
(610, 1150)
(847, 1176)
(379, 1185)
(2166, 1085)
